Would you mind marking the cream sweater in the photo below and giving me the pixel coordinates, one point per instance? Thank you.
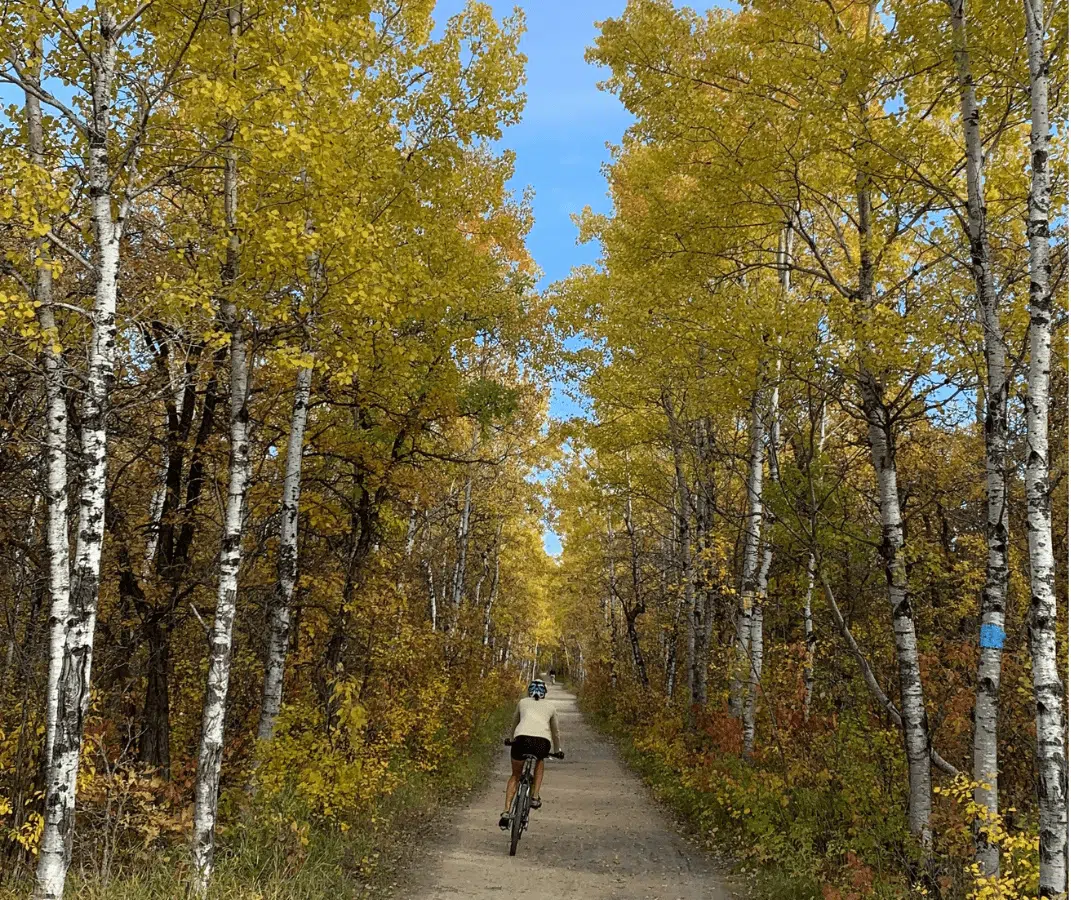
(537, 718)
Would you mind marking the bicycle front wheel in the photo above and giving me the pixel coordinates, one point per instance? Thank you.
(520, 806)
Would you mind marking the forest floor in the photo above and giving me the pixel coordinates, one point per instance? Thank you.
(598, 836)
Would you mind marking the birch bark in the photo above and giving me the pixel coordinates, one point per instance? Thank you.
(1048, 688)
(72, 688)
(912, 701)
(279, 626)
(810, 639)
(56, 539)
(492, 594)
(210, 751)
(750, 573)
(762, 579)
(684, 546)
(994, 594)
(882, 442)
(457, 587)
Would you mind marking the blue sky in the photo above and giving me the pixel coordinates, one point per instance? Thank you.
(567, 122)
(561, 141)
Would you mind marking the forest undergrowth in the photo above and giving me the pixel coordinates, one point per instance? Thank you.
(820, 816)
(283, 840)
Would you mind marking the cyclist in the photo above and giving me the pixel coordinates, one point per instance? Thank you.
(535, 733)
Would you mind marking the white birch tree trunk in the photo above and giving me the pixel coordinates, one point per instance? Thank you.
(156, 512)
(749, 575)
(410, 544)
(56, 539)
(687, 560)
(457, 587)
(871, 679)
(994, 594)
(762, 580)
(72, 687)
(810, 640)
(912, 702)
(880, 435)
(210, 751)
(809, 636)
(279, 625)
(1048, 687)
(492, 594)
(433, 606)
(755, 650)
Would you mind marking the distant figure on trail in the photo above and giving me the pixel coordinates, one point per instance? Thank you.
(552, 677)
(535, 733)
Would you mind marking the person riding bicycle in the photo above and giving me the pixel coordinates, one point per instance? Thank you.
(535, 733)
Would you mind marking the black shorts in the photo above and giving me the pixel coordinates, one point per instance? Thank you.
(526, 745)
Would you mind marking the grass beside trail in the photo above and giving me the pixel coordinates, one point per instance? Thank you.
(270, 857)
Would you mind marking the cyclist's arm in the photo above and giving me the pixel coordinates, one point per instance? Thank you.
(556, 740)
(516, 719)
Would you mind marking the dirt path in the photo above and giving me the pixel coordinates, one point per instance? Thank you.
(598, 836)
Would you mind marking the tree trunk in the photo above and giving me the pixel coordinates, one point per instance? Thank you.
(638, 604)
(750, 573)
(883, 456)
(994, 594)
(871, 680)
(210, 751)
(56, 541)
(684, 538)
(458, 583)
(1048, 688)
(810, 641)
(755, 650)
(492, 594)
(433, 606)
(156, 513)
(279, 625)
(72, 691)
(611, 598)
(763, 578)
(912, 701)
(809, 637)
(155, 736)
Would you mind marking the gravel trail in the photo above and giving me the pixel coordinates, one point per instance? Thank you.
(598, 836)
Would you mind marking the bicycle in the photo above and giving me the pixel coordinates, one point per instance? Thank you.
(522, 800)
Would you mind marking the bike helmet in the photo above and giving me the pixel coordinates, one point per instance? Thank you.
(537, 689)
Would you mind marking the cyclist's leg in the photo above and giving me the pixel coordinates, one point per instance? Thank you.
(511, 785)
(538, 780)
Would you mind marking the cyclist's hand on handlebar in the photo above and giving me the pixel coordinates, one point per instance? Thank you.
(559, 755)
(508, 742)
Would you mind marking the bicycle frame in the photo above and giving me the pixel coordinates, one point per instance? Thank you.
(522, 799)
(522, 802)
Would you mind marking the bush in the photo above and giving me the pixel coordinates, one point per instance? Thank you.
(818, 813)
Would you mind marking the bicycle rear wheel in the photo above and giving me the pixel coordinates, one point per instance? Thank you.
(520, 808)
